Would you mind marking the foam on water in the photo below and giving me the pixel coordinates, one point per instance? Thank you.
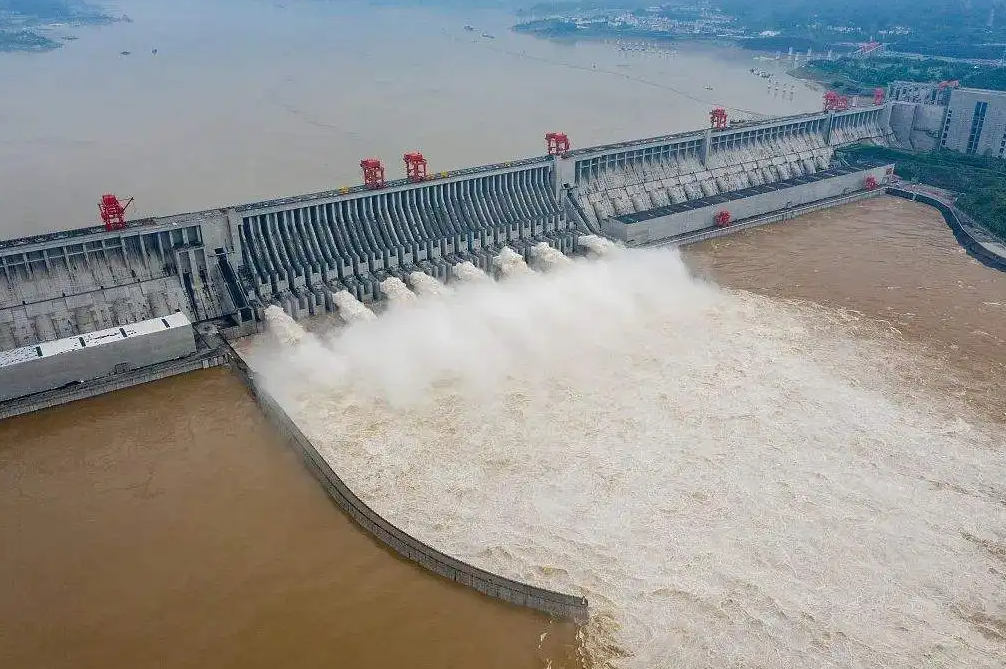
(732, 481)
(425, 285)
(397, 291)
(467, 272)
(547, 257)
(351, 309)
(510, 263)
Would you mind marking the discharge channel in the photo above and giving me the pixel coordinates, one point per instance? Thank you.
(730, 479)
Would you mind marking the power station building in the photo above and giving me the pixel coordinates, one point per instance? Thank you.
(975, 122)
(94, 355)
(928, 116)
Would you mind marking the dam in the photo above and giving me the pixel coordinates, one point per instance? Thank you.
(223, 273)
(225, 266)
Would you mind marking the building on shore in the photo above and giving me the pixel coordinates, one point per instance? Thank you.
(943, 115)
(49, 365)
(975, 122)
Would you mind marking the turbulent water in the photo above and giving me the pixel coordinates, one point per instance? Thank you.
(351, 309)
(731, 480)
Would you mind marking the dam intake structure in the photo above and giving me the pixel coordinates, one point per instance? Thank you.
(302, 253)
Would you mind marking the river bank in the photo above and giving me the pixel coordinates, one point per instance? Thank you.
(42, 27)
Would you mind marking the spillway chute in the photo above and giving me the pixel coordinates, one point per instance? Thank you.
(510, 263)
(396, 291)
(427, 286)
(467, 272)
(547, 257)
(351, 309)
(598, 247)
(285, 329)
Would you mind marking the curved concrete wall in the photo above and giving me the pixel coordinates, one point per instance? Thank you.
(972, 245)
(515, 592)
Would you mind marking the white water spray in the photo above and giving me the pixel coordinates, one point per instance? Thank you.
(397, 291)
(510, 263)
(351, 309)
(426, 286)
(285, 329)
(598, 246)
(730, 480)
(467, 272)
(547, 257)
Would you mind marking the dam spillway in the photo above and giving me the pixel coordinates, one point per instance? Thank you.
(227, 265)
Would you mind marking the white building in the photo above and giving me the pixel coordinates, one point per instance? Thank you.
(53, 364)
(975, 122)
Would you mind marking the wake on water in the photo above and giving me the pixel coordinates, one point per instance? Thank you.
(732, 481)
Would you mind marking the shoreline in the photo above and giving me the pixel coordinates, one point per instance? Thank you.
(29, 35)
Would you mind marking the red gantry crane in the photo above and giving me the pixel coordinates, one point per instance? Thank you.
(415, 166)
(373, 172)
(557, 143)
(718, 118)
(113, 212)
(835, 102)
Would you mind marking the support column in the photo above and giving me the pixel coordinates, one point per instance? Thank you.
(885, 117)
(233, 224)
(564, 172)
(831, 124)
(707, 143)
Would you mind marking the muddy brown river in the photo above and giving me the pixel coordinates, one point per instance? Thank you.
(168, 526)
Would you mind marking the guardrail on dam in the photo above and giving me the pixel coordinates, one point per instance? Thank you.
(554, 603)
(226, 265)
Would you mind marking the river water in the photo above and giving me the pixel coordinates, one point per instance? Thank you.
(806, 473)
(166, 525)
(729, 474)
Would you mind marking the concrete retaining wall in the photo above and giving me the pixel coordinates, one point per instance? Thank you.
(974, 247)
(774, 217)
(902, 122)
(515, 592)
(760, 204)
(35, 369)
(108, 384)
(927, 127)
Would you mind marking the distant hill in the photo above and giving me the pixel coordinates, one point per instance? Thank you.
(954, 28)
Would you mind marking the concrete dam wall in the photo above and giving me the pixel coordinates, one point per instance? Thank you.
(554, 603)
(301, 254)
(226, 265)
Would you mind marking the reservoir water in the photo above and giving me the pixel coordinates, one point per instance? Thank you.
(247, 100)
